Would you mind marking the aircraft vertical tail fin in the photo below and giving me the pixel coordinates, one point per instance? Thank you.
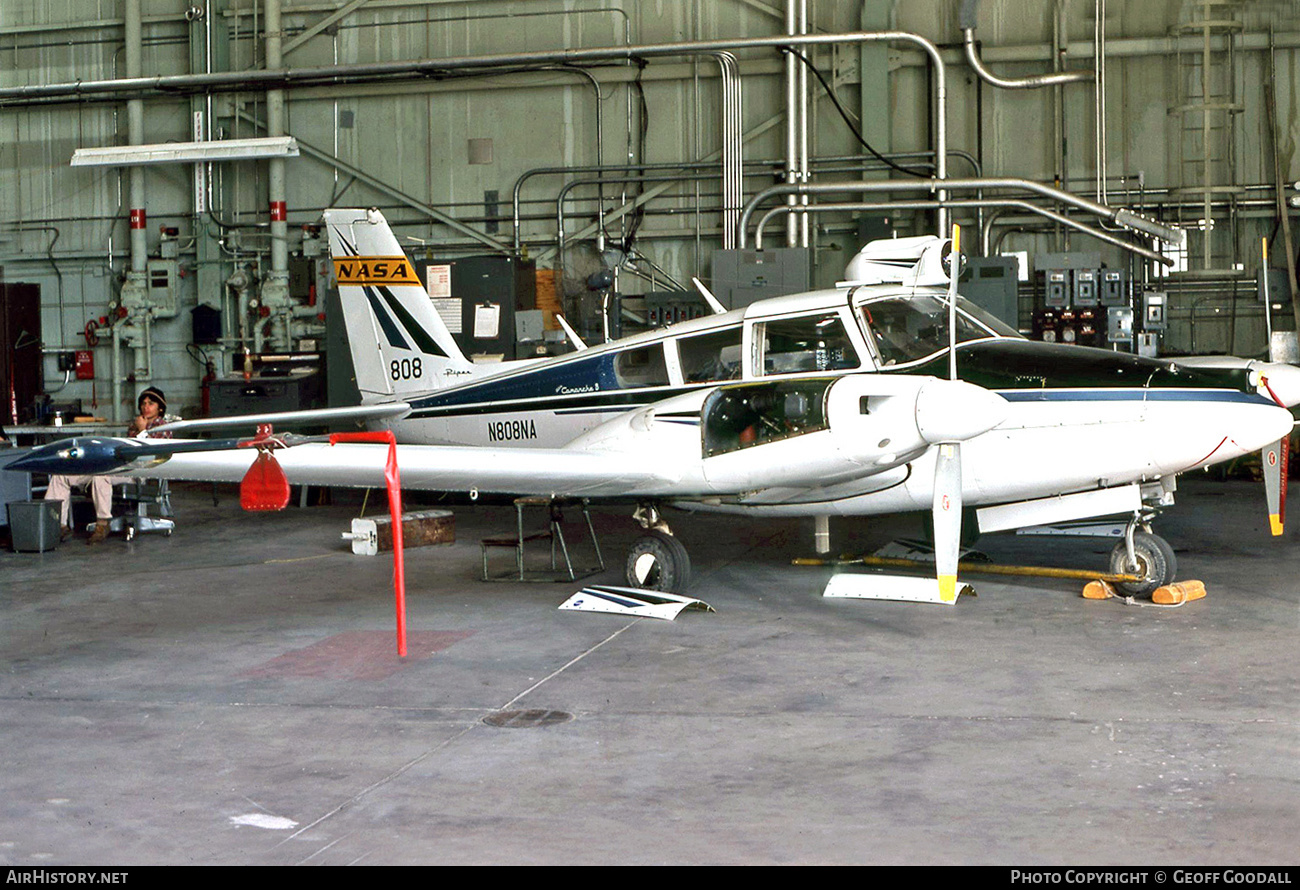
(400, 346)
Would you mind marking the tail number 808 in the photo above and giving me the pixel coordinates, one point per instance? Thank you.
(405, 369)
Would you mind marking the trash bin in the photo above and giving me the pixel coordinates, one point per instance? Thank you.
(34, 525)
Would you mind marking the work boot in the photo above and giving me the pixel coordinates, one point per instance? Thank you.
(65, 533)
(100, 532)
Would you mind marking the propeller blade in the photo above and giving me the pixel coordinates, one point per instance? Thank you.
(954, 272)
(1275, 458)
(947, 518)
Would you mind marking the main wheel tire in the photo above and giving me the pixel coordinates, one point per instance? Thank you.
(1156, 563)
(658, 561)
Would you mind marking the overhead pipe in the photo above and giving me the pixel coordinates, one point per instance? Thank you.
(733, 143)
(973, 203)
(1120, 216)
(763, 168)
(968, 16)
(334, 75)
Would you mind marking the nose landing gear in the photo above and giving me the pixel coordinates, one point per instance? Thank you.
(657, 560)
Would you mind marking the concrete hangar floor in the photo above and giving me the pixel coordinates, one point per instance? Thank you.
(231, 695)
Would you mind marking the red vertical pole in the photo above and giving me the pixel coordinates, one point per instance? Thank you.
(393, 480)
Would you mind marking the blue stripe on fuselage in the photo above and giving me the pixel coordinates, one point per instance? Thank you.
(586, 376)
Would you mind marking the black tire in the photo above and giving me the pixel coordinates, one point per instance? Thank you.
(1156, 563)
(658, 561)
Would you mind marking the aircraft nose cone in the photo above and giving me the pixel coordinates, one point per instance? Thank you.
(953, 410)
(72, 457)
(1283, 380)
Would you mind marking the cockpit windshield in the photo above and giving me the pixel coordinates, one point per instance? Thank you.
(909, 328)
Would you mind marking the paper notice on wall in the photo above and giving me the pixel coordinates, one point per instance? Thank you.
(437, 280)
(448, 310)
(487, 321)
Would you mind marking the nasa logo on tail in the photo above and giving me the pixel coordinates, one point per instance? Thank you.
(372, 271)
(375, 275)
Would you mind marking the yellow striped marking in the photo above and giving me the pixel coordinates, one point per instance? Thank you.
(948, 588)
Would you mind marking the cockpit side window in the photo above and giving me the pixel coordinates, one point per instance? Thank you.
(639, 367)
(907, 329)
(807, 343)
(709, 357)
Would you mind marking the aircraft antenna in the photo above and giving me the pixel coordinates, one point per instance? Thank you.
(714, 303)
(569, 332)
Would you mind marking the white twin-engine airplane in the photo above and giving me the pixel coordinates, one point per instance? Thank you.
(836, 402)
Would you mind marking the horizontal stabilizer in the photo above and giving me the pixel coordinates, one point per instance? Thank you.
(280, 419)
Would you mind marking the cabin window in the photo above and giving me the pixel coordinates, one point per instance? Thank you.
(641, 367)
(907, 329)
(709, 357)
(807, 343)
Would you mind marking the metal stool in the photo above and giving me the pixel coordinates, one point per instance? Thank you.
(554, 533)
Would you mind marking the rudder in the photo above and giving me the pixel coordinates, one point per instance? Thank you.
(399, 344)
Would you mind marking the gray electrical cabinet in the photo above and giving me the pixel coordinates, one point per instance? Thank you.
(741, 277)
(992, 283)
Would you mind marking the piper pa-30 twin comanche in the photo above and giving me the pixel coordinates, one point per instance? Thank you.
(839, 402)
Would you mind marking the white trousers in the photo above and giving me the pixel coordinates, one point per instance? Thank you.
(101, 493)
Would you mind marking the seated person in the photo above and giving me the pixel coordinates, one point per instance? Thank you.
(152, 406)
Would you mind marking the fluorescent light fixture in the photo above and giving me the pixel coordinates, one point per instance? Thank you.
(187, 152)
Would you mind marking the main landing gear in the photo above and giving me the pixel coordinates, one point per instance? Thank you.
(1143, 552)
(657, 560)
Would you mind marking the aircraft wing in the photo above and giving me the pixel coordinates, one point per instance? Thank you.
(735, 439)
(533, 471)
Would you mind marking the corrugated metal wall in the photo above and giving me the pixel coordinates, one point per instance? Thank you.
(66, 228)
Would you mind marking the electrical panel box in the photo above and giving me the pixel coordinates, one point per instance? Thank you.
(1154, 304)
(741, 277)
(1057, 295)
(160, 277)
(1114, 287)
(665, 307)
(1085, 287)
(1119, 326)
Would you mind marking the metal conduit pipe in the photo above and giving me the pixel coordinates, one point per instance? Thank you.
(763, 168)
(1120, 216)
(791, 133)
(733, 141)
(972, 203)
(570, 186)
(289, 78)
(967, 20)
(135, 276)
(564, 191)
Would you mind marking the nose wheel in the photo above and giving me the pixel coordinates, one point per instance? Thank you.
(1151, 557)
(658, 561)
